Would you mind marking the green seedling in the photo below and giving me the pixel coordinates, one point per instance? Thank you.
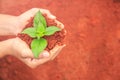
(37, 32)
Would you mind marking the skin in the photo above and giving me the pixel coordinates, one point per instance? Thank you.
(12, 25)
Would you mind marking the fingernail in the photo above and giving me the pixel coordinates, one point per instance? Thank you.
(61, 25)
(46, 54)
(52, 17)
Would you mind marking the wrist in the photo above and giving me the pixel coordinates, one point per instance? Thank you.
(5, 47)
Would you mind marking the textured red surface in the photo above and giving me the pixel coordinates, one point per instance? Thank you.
(93, 41)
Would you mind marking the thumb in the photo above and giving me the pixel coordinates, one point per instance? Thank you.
(21, 49)
(26, 52)
(44, 54)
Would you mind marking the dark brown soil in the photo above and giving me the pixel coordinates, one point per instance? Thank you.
(55, 39)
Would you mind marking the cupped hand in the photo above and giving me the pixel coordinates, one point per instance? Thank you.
(21, 49)
(24, 18)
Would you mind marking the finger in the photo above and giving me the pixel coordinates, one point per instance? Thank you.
(48, 14)
(59, 24)
(26, 52)
(44, 54)
(33, 63)
(28, 62)
(55, 51)
(42, 60)
(22, 49)
(31, 13)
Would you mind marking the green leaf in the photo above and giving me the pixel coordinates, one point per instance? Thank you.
(37, 46)
(51, 30)
(39, 18)
(40, 28)
(30, 31)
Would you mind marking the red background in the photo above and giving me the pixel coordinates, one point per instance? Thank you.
(93, 41)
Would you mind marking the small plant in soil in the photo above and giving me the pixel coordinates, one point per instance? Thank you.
(37, 32)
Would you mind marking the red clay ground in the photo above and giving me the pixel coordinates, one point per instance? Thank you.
(93, 41)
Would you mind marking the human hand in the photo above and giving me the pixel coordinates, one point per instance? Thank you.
(24, 18)
(26, 56)
(21, 50)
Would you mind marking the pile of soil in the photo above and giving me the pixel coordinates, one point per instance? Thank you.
(55, 39)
